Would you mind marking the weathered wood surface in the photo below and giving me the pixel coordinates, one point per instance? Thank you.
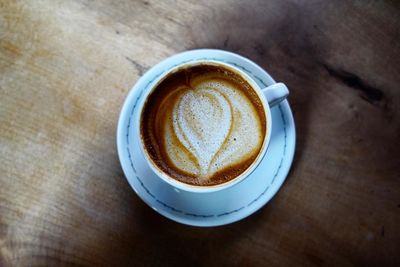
(66, 67)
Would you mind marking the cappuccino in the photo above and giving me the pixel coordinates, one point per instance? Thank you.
(203, 125)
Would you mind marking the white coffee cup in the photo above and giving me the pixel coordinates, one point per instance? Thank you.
(269, 96)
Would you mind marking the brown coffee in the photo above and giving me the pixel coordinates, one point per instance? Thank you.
(203, 125)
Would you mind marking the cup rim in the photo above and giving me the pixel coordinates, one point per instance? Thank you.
(198, 188)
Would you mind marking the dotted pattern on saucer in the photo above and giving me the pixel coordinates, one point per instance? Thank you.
(185, 212)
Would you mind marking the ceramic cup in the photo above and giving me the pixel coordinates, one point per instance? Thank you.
(269, 96)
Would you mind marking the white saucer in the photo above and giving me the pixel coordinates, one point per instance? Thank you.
(217, 208)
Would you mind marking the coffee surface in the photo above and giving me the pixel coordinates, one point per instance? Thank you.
(203, 125)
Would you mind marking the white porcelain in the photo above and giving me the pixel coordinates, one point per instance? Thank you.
(273, 94)
(211, 208)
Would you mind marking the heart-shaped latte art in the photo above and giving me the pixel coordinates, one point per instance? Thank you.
(204, 125)
(206, 128)
(202, 120)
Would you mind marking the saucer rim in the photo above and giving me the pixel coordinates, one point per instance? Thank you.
(193, 221)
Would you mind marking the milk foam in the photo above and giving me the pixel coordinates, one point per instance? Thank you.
(212, 125)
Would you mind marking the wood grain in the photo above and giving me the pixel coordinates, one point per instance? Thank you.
(66, 67)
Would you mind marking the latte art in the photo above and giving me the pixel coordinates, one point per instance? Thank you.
(202, 120)
(203, 126)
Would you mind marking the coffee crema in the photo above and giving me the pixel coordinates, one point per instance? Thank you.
(203, 125)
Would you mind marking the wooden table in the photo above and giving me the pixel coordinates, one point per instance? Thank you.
(67, 66)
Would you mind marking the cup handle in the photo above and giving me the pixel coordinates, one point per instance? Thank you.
(275, 93)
